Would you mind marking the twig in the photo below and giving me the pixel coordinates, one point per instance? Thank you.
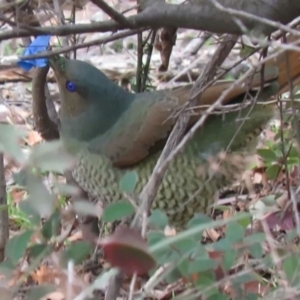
(4, 221)
(139, 68)
(147, 64)
(104, 40)
(112, 13)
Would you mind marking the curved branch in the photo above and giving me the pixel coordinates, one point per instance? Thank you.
(206, 15)
(44, 125)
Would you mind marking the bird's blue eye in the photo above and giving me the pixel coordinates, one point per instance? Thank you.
(70, 86)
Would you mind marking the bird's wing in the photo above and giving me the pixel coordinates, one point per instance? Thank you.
(144, 127)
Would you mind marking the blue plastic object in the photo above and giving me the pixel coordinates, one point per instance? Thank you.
(38, 45)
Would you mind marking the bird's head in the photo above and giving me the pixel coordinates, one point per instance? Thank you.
(90, 102)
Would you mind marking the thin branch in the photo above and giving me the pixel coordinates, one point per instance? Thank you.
(104, 40)
(4, 221)
(203, 16)
(112, 13)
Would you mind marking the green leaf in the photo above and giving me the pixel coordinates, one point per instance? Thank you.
(16, 246)
(76, 252)
(258, 237)
(268, 155)
(199, 219)
(223, 245)
(128, 181)
(86, 208)
(39, 196)
(269, 200)
(116, 211)
(7, 267)
(36, 250)
(243, 278)
(51, 156)
(245, 221)
(273, 171)
(229, 259)
(246, 51)
(158, 219)
(292, 161)
(66, 189)
(234, 232)
(218, 296)
(38, 292)
(256, 250)
(184, 267)
(101, 281)
(26, 208)
(290, 265)
(185, 245)
(51, 226)
(9, 142)
(154, 237)
(207, 279)
(200, 265)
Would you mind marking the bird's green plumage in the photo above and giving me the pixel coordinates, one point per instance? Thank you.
(102, 124)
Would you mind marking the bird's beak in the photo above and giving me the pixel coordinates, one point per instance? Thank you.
(57, 63)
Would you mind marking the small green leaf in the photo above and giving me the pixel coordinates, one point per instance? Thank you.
(36, 250)
(246, 51)
(290, 265)
(268, 155)
(218, 296)
(229, 259)
(234, 232)
(38, 292)
(117, 211)
(273, 171)
(254, 238)
(158, 219)
(185, 245)
(200, 265)
(128, 181)
(16, 246)
(9, 141)
(27, 209)
(199, 219)
(291, 161)
(39, 196)
(51, 226)
(7, 267)
(184, 267)
(245, 221)
(154, 237)
(101, 281)
(223, 245)
(269, 200)
(76, 252)
(243, 278)
(256, 250)
(51, 156)
(206, 279)
(86, 208)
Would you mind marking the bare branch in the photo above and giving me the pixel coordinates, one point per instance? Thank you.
(112, 13)
(267, 16)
